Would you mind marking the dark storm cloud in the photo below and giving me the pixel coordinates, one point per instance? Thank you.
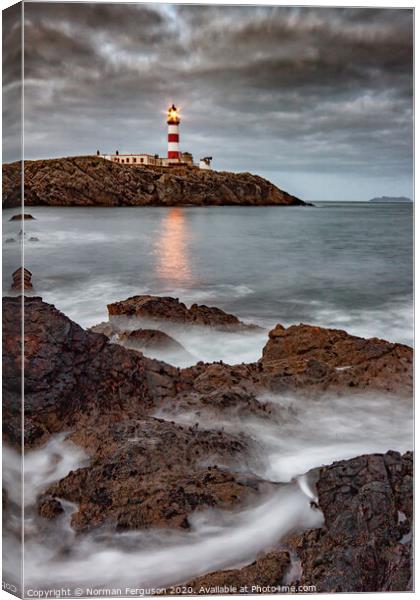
(266, 89)
(12, 81)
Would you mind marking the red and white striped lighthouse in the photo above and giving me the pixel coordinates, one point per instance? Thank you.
(174, 155)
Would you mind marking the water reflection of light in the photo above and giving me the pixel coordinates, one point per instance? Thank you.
(173, 263)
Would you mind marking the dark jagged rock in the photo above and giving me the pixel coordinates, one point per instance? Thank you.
(267, 571)
(68, 372)
(227, 402)
(365, 545)
(217, 377)
(164, 308)
(93, 181)
(72, 375)
(315, 358)
(49, 508)
(104, 393)
(152, 472)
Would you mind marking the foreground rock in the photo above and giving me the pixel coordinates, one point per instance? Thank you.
(152, 309)
(75, 376)
(93, 181)
(267, 571)
(143, 471)
(147, 472)
(69, 373)
(316, 359)
(152, 472)
(49, 507)
(365, 545)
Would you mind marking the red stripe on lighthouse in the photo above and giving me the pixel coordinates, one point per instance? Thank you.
(173, 137)
(172, 154)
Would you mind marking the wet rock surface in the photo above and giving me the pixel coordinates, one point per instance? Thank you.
(267, 571)
(49, 507)
(315, 359)
(146, 472)
(153, 472)
(365, 544)
(160, 308)
(223, 404)
(73, 375)
(93, 181)
(69, 373)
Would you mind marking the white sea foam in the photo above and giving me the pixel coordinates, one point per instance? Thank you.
(303, 433)
(393, 321)
(214, 542)
(203, 343)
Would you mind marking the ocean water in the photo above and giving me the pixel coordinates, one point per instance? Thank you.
(345, 265)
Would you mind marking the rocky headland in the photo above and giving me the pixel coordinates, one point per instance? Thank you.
(146, 471)
(94, 181)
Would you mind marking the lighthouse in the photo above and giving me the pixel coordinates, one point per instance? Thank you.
(174, 157)
(173, 121)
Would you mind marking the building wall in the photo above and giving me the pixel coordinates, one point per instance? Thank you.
(133, 159)
(149, 159)
(204, 165)
(187, 158)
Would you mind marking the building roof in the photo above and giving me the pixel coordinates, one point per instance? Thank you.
(132, 154)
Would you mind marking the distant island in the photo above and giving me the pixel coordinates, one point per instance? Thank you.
(402, 199)
(94, 181)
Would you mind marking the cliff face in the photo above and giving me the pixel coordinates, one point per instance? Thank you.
(93, 181)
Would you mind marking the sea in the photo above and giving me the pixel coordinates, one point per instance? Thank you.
(339, 264)
(347, 265)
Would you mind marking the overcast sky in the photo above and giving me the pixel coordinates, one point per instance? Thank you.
(318, 100)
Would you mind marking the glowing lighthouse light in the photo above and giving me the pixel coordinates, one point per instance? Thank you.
(173, 121)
